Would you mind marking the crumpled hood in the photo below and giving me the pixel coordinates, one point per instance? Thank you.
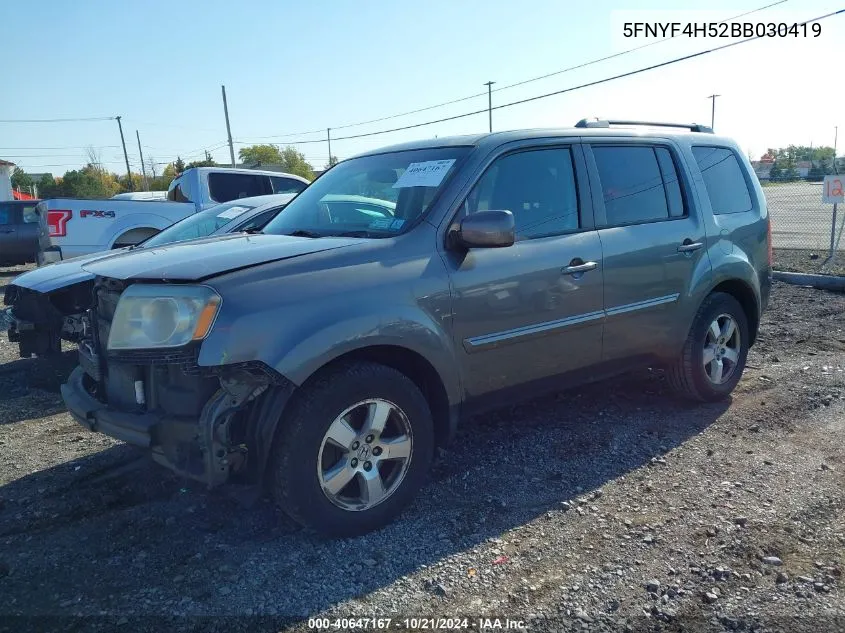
(63, 273)
(200, 259)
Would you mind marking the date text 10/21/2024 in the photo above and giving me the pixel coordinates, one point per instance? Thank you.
(415, 624)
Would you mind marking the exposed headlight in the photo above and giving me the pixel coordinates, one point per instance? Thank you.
(150, 316)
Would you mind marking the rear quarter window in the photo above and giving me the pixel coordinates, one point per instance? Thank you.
(724, 180)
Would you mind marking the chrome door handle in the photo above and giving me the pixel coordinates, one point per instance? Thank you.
(689, 247)
(579, 268)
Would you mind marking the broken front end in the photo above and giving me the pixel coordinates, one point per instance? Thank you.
(139, 381)
(38, 321)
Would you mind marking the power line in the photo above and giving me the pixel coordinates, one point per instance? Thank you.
(558, 92)
(70, 120)
(64, 147)
(508, 86)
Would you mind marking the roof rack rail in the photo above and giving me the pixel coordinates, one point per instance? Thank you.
(596, 122)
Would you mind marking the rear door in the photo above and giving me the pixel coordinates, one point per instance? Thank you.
(10, 250)
(653, 244)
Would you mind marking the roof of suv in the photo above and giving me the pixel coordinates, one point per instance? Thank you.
(498, 138)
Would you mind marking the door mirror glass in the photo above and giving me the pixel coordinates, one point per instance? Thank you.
(487, 229)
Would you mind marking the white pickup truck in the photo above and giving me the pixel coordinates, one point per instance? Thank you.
(70, 227)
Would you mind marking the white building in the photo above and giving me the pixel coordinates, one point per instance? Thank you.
(6, 180)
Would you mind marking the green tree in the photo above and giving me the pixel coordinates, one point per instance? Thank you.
(207, 162)
(179, 165)
(47, 187)
(21, 180)
(293, 162)
(256, 155)
(776, 173)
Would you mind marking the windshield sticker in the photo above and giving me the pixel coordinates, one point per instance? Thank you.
(428, 174)
(381, 223)
(232, 212)
(397, 224)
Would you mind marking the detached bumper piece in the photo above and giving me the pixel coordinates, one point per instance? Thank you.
(174, 442)
(132, 428)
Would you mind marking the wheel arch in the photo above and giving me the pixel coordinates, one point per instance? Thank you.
(134, 235)
(747, 298)
(416, 367)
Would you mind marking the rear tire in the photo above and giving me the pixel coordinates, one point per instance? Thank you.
(713, 357)
(313, 450)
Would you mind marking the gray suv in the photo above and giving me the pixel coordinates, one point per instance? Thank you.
(327, 357)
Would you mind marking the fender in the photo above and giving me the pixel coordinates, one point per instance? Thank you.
(301, 346)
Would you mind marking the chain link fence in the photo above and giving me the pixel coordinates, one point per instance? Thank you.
(803, 228)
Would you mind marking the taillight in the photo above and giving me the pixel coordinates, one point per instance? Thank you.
(57, 222)
(769, 239)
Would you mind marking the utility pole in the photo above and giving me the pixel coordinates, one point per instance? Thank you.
(835, 139)
(489, 85)
(329, 139)
(125, 155)
(143, 167)
(713, 110)
(228, 129)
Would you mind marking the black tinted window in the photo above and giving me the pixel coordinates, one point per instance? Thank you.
(177, 193)
(726, 186)
(225, 187)
(286, 185)
(7, 214)
(537, 186)
(631, 184)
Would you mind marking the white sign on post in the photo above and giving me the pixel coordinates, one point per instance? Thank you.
(833, 189)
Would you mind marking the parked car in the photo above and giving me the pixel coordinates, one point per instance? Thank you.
(70, 228)
(327, 359)
(18, 232)
(46, 305)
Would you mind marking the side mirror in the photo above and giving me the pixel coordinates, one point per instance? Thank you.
(485, 229)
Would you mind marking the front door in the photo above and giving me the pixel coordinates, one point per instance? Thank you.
(533, 310)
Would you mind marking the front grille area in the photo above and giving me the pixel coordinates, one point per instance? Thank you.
(184, 357)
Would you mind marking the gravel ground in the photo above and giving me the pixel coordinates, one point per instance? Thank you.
(808, 261)
(610, 508)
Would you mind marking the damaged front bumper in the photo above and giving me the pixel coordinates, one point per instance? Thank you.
(231, 436)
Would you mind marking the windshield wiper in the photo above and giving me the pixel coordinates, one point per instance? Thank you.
(304, 233)
(359, 233)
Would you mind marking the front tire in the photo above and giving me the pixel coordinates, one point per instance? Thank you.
(714, 354)
(353, 450)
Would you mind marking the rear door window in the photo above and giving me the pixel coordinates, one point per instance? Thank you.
(7, 214)
(178, 191)
(224, 187)
(631, 184)
(286, 185)
(724, 180)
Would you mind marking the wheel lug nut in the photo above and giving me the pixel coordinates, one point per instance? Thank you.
(354, 462)
(368, 466)
(377, 450)
(369, 439)
(355, 445)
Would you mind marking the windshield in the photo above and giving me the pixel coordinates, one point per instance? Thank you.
(200, 224)
(371, 196)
